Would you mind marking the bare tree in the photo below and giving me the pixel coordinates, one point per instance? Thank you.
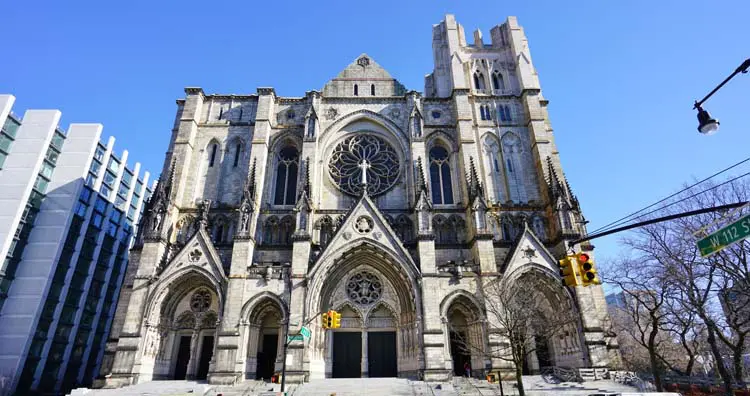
(701, 285)
(644, 308)
(525, 311)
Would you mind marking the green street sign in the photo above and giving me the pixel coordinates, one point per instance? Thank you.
(305, 332)
(725, 236)
(295, 337)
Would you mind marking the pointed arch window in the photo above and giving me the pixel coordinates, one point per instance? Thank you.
(404, 228)
(286, 176)
(479, 81)
(212, 154)
(237, 154)
(494, 169)
(497, 81)
(278, 232)
(440, 176)
(503, 111)
(512, 153)
(325, 230)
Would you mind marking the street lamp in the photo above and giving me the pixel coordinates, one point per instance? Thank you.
(706, 124)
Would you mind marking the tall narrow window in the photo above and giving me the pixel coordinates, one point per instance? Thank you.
(372, 89)
(356, 90)
(440, 176)
(479, 81)
(497, 81)
(512, 153)
(286, 176)
(212, 157)
(237, 152)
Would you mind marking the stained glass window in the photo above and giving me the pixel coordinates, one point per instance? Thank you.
(347, 159)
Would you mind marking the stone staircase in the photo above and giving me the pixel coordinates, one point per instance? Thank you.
(356, 387)
(535, 385)
(152, 388)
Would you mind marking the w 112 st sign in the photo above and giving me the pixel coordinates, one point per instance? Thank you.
(725, 236)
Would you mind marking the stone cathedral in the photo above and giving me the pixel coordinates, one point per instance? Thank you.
(388, 205)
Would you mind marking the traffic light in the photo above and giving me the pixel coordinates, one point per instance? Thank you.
(587, 270)
(325, 320)
(336, 320)
(331, 315)
(568, 271)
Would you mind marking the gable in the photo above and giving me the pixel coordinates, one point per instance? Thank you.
(529, 251)
(366, 75)
(365, 223)
(198, 253)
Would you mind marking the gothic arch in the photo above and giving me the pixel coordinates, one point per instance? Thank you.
(461, 296)
(440, 136)
(176, 285)
(336, 265)
(342, 122)
(253, 307)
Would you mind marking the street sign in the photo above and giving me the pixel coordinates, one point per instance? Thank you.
(305, 332)
(295, 337)
(725, 236)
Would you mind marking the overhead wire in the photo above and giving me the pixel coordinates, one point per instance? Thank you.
(627, 218)
(676, 202)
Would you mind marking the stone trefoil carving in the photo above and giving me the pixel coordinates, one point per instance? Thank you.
(364, 153)
(364, 288)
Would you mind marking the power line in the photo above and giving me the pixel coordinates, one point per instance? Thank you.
(619, 221)
(598, 232)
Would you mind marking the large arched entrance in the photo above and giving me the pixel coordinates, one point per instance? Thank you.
(180, 330)
(552, 336)
(262, 331)
(378, 301)
(465, 334)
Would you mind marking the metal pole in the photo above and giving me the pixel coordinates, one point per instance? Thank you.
(741, 69)
(283, 365)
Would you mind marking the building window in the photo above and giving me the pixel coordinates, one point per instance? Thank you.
(114, 165)
(449, 231)
(237, 152)
(440, 176)
(497, 81)
(57, 140)
(95, 166)
(372, 89)
(479, 81)
(127, 177)
(99, 154)
(504, 113)
(109, 179)
(278, 232)
(356, 90)
(286, 176)
(212, 156)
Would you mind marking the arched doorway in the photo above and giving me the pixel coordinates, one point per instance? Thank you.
(263, 332)
(379, 334)
(465, 335)
(180, 329)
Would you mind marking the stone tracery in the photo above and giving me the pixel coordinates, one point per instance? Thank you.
(345, 165)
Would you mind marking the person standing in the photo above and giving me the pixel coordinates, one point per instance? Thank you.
(467, 369)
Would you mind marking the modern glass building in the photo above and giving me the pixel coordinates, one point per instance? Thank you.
(68, 209)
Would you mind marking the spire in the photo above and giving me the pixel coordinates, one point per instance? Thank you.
(250, 185)
(421, 183)
(555, 186)
(475, 185)
(306, 186)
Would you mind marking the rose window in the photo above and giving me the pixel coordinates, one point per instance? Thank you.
(364, 288)
(200, 301)
(368, 152)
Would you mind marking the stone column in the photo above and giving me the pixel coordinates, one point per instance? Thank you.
(193, 362)
(365, 361)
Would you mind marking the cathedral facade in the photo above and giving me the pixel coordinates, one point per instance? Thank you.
(390, 206)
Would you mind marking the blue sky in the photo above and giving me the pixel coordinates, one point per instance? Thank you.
(620, 76)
